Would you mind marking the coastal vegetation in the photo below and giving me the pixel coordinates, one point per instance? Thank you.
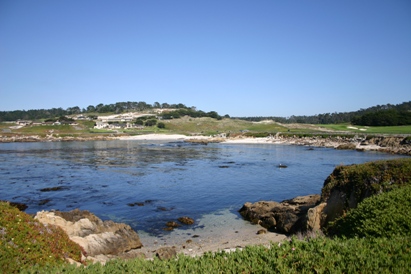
(26, 243)
(384, 215)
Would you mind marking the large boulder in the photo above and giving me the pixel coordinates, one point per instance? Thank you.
(289, 216)
(97, 237)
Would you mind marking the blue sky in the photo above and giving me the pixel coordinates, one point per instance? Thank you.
(236, 57)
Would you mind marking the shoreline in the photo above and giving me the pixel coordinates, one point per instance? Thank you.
(224, 231)
(391, 144)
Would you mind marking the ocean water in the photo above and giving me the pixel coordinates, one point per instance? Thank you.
(147, 183)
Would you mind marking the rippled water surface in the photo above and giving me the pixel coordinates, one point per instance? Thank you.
(145, 183)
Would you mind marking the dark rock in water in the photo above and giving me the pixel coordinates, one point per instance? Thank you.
(168, 228)
(289, 216)
(166, 253)
(186, 220)
(136, 204)
(19, 206)
(223, 166)
(44, 201)
(172, 224)
(90, 232)
(56, 188)
(282, 166)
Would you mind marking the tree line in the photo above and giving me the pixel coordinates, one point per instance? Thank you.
(119, 107)
(380, 115)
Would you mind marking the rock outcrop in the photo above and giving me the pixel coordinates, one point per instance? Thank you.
(347, 186)
(343, 189)
(97, 237)
(288, 216)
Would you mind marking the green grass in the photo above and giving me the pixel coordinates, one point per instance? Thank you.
(208, 126)
(369, 130)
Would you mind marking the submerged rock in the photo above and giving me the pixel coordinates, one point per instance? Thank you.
(97, 237)
(56, 188)
(186, 220)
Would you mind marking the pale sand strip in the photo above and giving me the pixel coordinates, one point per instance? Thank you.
(214, 232)
(180, 137)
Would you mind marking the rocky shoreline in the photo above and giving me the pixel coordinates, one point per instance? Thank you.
(388, 144)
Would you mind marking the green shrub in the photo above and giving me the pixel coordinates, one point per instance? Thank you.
(150, 122)
(161, 125)
(320, 255)
(383, 215)
(25, 242)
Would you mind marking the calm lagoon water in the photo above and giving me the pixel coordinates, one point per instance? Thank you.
(147, 183)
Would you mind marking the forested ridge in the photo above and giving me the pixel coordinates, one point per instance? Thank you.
(380, 115)
(117, 108)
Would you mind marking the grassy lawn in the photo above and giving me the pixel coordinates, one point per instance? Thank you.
(370, 130)
(209, 126)
(203, 126)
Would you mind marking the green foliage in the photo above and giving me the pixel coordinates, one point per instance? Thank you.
(26, 243)
(150, 122)
(390, 117)
(367, 179)
(345, 117)
(161, 125)
(383, 215)
(320, 255)
(191, 113)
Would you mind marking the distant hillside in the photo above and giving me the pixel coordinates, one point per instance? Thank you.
(117, 108)
(380, 115)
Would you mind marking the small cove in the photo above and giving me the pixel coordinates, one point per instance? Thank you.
(147, 183)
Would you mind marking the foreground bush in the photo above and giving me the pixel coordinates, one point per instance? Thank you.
(26, 243)
(383, 215)
(320, 255)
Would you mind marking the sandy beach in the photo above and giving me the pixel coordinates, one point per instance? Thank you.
(223, 231)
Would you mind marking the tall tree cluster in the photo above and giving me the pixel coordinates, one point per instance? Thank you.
(380, 115)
